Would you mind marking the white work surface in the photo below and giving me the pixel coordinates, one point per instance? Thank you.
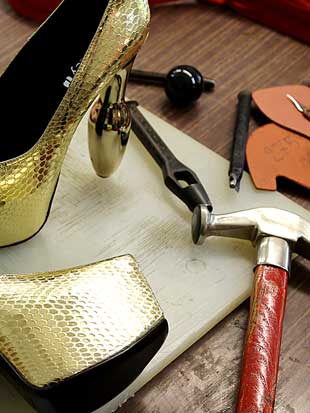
(133, 212)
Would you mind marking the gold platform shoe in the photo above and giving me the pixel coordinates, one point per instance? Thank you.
(83, 50)
(72, 340)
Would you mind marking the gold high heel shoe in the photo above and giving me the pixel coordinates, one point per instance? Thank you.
(83, 50)
(72, 340)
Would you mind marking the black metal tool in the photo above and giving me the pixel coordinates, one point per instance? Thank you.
(180, 179)
(183, 84)
(240, 139)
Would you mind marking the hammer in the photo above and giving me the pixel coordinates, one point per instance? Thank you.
(276, 234)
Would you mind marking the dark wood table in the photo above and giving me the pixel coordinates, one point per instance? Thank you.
(239, 54)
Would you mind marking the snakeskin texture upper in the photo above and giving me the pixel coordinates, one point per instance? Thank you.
(27, 182)
(54, 325)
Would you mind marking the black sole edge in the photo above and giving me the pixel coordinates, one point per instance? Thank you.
(91, 389)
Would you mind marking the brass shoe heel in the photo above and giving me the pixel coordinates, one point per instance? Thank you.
(72, 340)
(109, 126)
(80, 52)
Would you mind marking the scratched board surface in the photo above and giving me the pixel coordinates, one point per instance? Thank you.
(133, 212)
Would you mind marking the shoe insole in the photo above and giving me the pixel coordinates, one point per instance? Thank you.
(274, 152)
(36, 81)
(274, 103)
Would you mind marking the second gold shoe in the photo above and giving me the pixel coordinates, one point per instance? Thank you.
(83, 50)
(71, 340)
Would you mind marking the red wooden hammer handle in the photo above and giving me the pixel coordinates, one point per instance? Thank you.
(262, 349)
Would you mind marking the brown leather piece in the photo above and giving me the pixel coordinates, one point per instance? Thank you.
(274, 152)
(263, 342)
(274, 103)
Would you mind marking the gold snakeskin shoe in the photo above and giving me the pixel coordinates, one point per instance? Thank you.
(72, 340)
(82, 51)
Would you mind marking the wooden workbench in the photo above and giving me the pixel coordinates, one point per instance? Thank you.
(239, 54)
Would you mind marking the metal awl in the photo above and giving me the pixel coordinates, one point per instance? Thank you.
(300, 107)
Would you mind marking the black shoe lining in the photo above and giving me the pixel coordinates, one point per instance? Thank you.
(35, 82)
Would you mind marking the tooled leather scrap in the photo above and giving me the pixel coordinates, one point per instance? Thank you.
(274, 103)
(274, 152)
(262, 350)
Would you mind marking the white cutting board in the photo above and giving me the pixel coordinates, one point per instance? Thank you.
(133, 212)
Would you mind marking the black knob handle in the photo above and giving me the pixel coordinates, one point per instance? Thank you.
(142, 76)
(183, 84)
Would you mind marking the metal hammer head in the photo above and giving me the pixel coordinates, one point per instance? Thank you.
(254, 224)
